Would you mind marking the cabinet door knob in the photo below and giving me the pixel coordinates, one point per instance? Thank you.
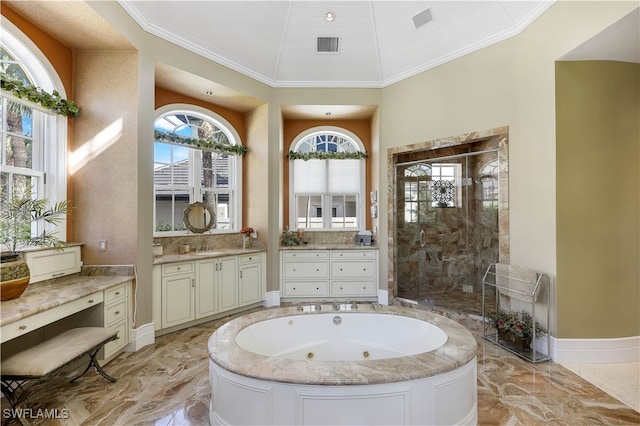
(90, 301)
(117, 293)
(117, 312)
(22, 327)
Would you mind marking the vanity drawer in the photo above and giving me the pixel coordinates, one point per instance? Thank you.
(250, 258)
(177, 268)
(115, 293)
(28, 324)
(306, 289)
(305, 254)
(115, 313)
(354, 254)
(121, 341)
(352, 269)
(352, 288)
(306, 270)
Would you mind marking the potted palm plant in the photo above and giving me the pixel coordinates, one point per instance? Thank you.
(19, 213)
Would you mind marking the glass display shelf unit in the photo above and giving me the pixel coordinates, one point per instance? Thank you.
(515, 308)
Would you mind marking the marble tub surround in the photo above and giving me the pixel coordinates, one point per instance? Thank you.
(205, 242)
(167, 383)
(459, 349)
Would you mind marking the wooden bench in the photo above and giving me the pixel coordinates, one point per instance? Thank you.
(40, 367)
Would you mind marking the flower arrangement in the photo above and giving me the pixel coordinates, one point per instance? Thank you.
(247, 231)
(289, 239)
(246, 236)
(516, 324)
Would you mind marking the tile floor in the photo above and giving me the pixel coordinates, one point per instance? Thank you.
(167, 383)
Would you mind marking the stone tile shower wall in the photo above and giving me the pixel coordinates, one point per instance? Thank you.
(459, 242)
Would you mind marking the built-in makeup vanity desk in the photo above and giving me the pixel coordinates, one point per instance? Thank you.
(48, 307)
(329, 272)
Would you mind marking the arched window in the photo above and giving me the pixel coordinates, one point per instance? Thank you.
(192, 164)
(34, 140)
(327, 180)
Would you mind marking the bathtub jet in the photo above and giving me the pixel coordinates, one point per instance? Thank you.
(394, 366)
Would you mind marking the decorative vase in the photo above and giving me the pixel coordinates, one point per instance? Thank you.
(246, 241)
(15, 276)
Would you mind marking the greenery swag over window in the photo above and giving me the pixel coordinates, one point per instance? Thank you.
(52, 101)
(327, 155)
(222, 145)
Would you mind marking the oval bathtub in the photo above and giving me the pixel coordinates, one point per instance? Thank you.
(388, 366)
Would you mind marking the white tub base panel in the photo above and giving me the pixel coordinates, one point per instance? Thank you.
(446, 399)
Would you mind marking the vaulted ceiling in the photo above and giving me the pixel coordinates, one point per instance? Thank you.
(375, 42)
(276, 42)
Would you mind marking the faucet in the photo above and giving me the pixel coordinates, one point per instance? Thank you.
(336, 306)
(317, 307)
(375, 306)
(354, 305)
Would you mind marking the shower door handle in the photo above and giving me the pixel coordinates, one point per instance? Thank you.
(422, 239)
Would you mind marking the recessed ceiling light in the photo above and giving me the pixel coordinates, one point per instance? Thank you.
(330, 16)
(208, 92)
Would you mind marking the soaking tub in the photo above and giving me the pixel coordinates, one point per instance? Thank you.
(357, 365)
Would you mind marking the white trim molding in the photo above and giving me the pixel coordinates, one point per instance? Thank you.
(596, 351)
(141, 337)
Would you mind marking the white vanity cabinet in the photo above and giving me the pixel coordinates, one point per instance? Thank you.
(216, 285)
(305, 273)
(197, 290)
(51, 263)
(252, 287)
(227, 283)
(353, 273)
(116, 316)
(321, 274)
(178, 293)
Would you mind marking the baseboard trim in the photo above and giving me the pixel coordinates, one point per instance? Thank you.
(272, 298)
(141, 337)
(596, 351)
(383, 297)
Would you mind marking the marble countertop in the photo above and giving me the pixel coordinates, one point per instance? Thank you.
(459, 349)
(197, 255)
(329, 247)
(44, 295)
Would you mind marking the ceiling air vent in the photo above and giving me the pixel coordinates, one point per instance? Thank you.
(328, 44)
(422, 18)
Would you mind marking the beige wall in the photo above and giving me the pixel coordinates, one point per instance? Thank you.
(511, 83)
(598, 192)
(103, 156)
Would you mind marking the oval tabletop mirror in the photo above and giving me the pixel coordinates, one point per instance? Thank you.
(198, 217)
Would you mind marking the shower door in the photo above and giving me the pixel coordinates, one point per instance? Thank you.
(446, 228)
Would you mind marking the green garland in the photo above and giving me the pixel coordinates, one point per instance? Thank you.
(327, 155)
(34, 94)
(206, 144)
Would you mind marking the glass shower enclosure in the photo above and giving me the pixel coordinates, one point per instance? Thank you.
(446, 225)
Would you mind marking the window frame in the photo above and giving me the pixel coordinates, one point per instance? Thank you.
(49, 129)
(196, 192)
(325, 197)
